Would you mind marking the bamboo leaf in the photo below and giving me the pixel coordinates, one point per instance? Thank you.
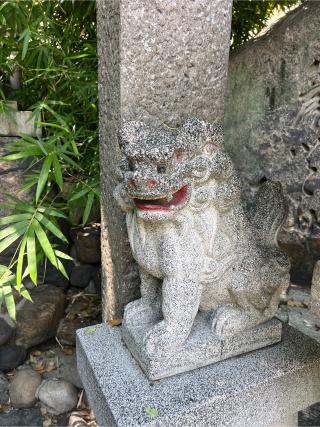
(21, 155)
(43, 177)
(63, 255)
(54, 125)
(11, 239)
(57, 171)
(9, 300)
(69, 161)
(20, 262)
(31, 256)
(24, 292)
(26, 39)
(51, 227)
(74, 147)
(19, 202)
(88, 208)
(6, 274)
(13, 228)
(62, 269)
(44, 242)
(14, 218)
(39, 143)
(80, 194)
(52, 212)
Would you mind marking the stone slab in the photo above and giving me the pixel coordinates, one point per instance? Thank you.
(16, 123)
(255, 389)
(202, 347)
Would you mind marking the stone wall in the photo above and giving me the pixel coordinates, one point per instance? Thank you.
(266, 78)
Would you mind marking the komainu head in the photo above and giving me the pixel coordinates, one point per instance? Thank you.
(161, 167)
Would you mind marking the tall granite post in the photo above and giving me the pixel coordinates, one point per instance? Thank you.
(160, 62)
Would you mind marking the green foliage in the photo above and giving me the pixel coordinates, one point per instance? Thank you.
(51, 46)
(250, 16)
(151, 411)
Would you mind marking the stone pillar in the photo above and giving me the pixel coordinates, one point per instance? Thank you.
(160, 62)
(315, 290)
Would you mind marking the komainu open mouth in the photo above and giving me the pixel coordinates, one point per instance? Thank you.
(163, 204)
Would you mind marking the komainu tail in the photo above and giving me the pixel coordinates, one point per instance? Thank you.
(268, 212)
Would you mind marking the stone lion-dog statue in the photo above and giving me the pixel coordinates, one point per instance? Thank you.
(197, 248)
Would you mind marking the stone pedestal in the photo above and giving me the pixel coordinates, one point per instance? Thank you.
(261, 388)
(201, 348)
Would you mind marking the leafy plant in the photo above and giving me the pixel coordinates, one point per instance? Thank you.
(50, 47)
(151, 411)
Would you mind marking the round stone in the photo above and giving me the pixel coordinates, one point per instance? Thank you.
(58, 396)
(23, 388)
(4, 386)
(11, 357)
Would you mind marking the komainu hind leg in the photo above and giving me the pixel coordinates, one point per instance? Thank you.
(231, 319)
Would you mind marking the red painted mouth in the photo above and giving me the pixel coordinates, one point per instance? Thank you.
(163, 204)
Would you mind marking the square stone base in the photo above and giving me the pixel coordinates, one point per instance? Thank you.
(260, 388)
(202, 347)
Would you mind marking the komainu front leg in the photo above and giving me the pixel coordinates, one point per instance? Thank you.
(147, 309)
(180, 303)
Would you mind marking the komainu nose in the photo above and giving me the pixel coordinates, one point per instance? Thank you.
(131, 183)
(151, 183)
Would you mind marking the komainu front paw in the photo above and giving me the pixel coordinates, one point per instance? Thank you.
(140, 312)
(229, 320)
(162, 339)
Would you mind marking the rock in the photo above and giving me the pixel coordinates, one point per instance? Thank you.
(11, 357)
(6, 331)
(97, 280)
(91, 288)
(38, 321)
(23, 388)
(54, 277)
(80, 313)
(22, 418)
(66, 368)
(59, 396)
(81, 275)
(66, 333)
(87, 243)
(4, 387)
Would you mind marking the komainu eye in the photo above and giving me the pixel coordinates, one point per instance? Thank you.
(131, 165)
(161, 169)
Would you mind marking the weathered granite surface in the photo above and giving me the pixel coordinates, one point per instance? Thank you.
(159, 61)
(201, 348)
(266, 79)
(196, 249)
(256, 389)
(315, 290)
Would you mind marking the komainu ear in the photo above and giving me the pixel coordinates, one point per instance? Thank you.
(200, 169)
(132, 133)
